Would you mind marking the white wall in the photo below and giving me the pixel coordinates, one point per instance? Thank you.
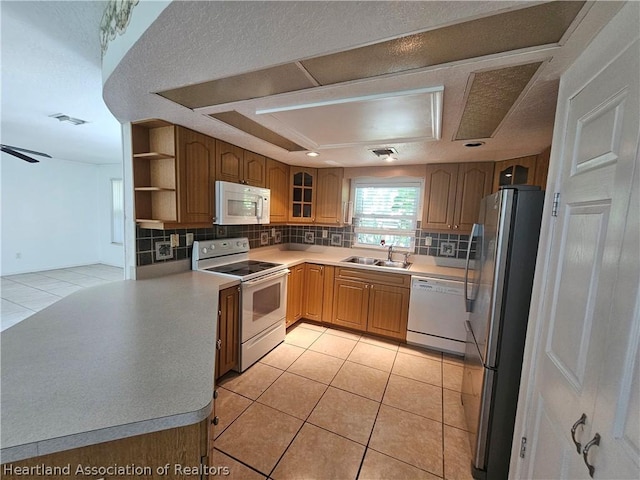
(53, 214)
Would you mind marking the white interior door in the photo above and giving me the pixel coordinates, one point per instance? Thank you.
(587, 355)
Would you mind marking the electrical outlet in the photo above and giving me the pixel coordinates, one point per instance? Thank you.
(325, 233)
(189, 239)
(428, 241)
(175, 240)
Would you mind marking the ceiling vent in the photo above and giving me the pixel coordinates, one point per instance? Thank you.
(66, 118)
(383, 152)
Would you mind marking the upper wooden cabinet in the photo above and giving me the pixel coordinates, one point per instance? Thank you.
(196, 176)
(515, 171)
(452, 194)
(172, 176)
(542, 168)
(318, 195)
(331, 196)
(277, 180)
(234, 164)
(303, 188)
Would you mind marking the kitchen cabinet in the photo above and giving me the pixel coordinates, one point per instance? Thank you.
(277, 180)
(187, 446)
(331, 197)
(313, 296)
(453, 193)
(172, 176)
(295, 292)
(542, 168)
(303, 194)
(370, 301)
(515, 171)
(228, 343)
(236, 165)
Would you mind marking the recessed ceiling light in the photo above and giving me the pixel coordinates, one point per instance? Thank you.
(312, 154)
(473, 144)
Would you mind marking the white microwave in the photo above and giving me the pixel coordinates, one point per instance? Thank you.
(241, 204)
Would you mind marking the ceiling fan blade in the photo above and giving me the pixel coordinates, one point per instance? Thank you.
(21, 156)
(24, 150)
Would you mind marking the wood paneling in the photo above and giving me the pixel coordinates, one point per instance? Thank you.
(277, 180)
(313, 292)
(295, 291)
(475, 181)
(388, 311)
(350, 304)
(439, 196)
(228, 330)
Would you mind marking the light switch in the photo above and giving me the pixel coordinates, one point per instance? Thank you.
(175, 239)
(189, 239)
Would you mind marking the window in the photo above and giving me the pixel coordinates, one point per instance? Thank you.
(117, 211)
(386, 209)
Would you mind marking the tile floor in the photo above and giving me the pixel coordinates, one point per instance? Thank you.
(328, 404)
(25, 294)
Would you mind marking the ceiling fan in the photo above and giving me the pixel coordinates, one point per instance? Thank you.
(14, 151)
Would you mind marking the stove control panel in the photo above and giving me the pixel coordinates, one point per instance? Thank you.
(204, 249)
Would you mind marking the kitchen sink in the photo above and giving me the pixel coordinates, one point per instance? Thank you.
(376, 262)
(362, 260)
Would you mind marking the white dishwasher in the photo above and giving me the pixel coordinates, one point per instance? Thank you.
(437, 314)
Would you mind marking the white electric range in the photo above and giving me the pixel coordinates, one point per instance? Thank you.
(263, 293)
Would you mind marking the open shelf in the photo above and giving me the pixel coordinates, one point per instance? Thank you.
(154, 189)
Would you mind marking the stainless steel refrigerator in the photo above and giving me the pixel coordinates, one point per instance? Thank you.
(498, 279)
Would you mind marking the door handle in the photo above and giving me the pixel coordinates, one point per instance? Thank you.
(585, 453)
(581, 421)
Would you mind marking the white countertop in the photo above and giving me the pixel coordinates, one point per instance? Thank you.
(109, 362)
(293, 254)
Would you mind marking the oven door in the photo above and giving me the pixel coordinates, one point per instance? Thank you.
(264, 303)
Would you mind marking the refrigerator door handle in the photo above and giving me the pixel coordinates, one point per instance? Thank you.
(468, 302)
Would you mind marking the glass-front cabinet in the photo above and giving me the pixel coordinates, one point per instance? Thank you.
(303, 192)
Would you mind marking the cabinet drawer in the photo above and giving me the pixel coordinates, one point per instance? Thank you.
(372, 276)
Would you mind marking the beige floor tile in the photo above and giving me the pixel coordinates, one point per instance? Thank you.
(453, 359)
(343, 334)
(361, 380)
(312, 326)
(301, 337)
(318, 454)
(373, 356)
(259, 437)
(335, 346)
(380, 342)
(457, 454)
(453, 410)
(420, 352)
(252, 382)
(414, 396)
(418, 368)
(229, 406)
(237, 471)
(377, 466)
(346, 414)
(282, 356)
(408, 437)
(316, 366)
(293, 394)
(452, 376)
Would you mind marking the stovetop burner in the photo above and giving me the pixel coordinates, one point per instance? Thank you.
(243, 268)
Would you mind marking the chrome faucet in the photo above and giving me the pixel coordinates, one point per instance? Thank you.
(390, 252)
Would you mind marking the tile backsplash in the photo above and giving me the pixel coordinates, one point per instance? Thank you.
(442, 244)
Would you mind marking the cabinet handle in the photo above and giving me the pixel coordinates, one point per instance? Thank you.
(455, 227)
(215, 420)
(448, 226)
(218, 344)
(215, 394)
(581, 421)
(585, 453)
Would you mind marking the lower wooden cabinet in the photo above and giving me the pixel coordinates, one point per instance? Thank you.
(375, 302)
(295, 290)
(313, 298)
(228, 344)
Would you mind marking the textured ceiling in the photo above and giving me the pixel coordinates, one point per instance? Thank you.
(51, 64)
(196, 42)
